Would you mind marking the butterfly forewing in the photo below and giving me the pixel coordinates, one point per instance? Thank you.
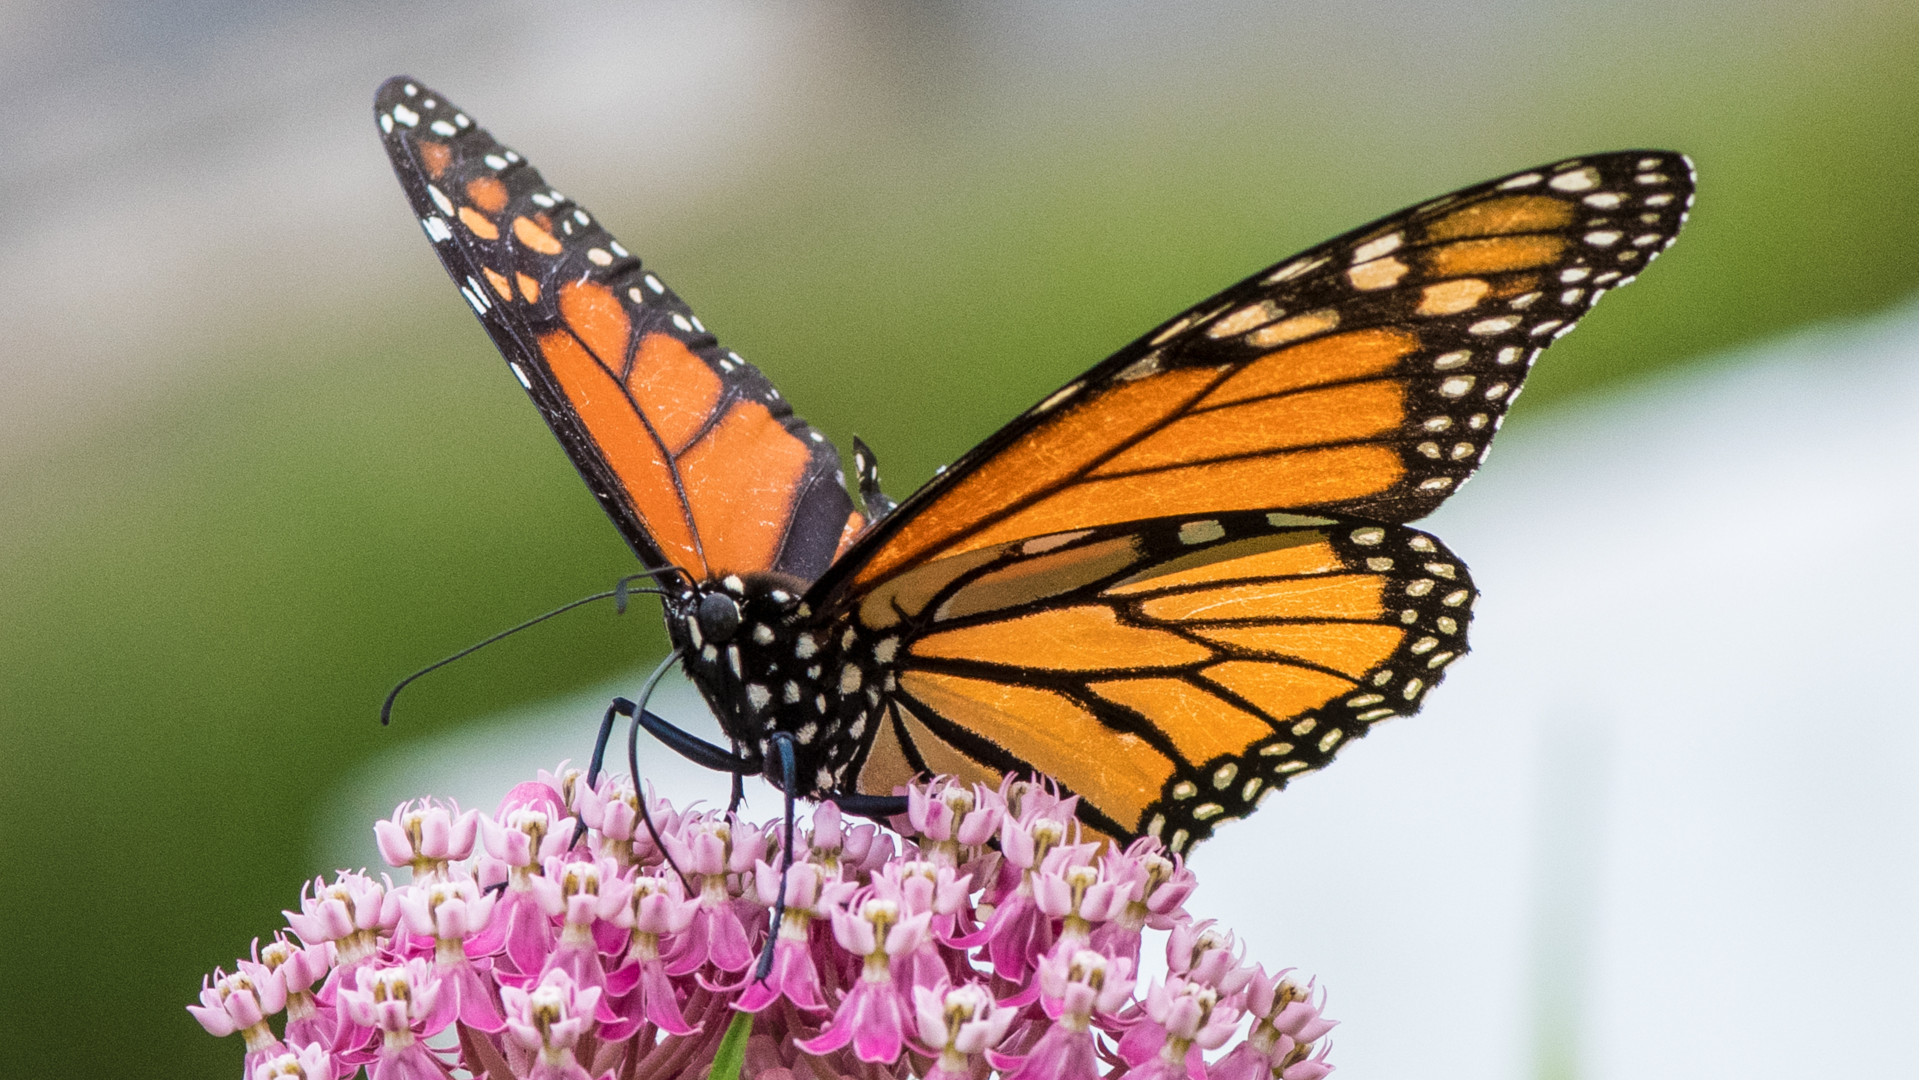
(691, 450)
(1169, 672)
(1366, 376)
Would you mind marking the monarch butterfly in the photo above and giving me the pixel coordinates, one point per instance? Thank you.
(1171, 586)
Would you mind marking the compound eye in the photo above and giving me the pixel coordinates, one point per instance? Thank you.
(719, 617)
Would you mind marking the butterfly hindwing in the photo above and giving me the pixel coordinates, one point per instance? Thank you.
(1170, 672)
(1365, 376)
(693, 453)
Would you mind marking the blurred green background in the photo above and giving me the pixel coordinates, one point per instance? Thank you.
(257, 461)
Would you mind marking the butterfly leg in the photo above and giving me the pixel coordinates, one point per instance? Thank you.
(867, 468)
(693, 748)
(687, 746)
(781, 745)
(876, 807)
(620, 707)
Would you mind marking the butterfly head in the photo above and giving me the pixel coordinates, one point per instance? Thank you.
(717, 617)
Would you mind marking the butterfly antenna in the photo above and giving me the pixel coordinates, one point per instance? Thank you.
(619, 593)
(633, 765)
(622, 588)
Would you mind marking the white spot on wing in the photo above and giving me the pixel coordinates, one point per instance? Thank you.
(1373, 249)
(1201, 532)
(1576, 180)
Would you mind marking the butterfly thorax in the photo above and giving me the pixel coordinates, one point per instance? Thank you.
(752, 646)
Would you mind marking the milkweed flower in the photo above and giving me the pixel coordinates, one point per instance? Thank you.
(873, 1015)
(549, 1020)
(982, 935)
(426, 836)
(397, 1003)
(1073, 989)
(531, 826)
(449, 914)
(716, 851)
(795, 974)
(241, 1002)
(957, 1025)
(299, 970)
(643, 993)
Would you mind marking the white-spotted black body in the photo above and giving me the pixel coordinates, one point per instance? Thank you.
(750, 644)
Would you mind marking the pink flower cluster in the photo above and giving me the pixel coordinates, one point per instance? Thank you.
(555, 940)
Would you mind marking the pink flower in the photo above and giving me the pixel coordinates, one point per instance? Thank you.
(549, 1020)
(953, 821)
(1206, 955)
(306, 1062)
(1182, 1018)
(1307, 1068)
(242, 1002)
(612, 812)
(934, 890)
(1285, 1026)
(397, 1002)
(642, 992)
(541, 951)
(298, 969)
(426, 836)
(1073, 988)
(712, 849)
(794, 976)
(873, 1015)
(1019, 933)
(958, 1024)
(1154, 885)
(452, 913)
(528, 829)
(583, 895)
(863, 850)
(351, 913)
(1081, 896)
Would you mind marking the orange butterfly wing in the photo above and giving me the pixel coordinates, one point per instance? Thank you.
(1365, 376)
(1170, 672)
(691, 450)
(1181, 579)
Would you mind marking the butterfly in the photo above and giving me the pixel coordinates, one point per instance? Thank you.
(1171, 586)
